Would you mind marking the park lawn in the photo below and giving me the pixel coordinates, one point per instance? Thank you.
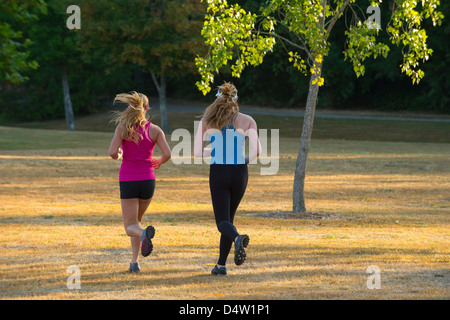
(372, 203)
(324, 128)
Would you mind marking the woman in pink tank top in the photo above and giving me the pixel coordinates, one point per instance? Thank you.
(138, 137)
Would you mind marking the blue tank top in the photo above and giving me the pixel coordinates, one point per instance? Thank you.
(227, 146)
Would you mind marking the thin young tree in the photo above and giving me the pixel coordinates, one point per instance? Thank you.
(56, 49)
(303, 28)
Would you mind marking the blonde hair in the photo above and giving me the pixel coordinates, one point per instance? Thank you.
(133, 116)
(222, 110)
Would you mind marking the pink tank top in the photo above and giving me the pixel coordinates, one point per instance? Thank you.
(136, 163)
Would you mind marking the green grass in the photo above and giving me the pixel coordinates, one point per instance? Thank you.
(363, 130)
(38, 139)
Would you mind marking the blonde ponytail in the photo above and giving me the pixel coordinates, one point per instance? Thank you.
(222, 110)
(133, 116)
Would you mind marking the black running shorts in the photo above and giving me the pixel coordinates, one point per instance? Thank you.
(137, 189)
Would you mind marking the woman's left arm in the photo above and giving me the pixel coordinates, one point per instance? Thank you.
(255, 144)
(164, 147)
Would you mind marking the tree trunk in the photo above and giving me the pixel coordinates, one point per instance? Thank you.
(161, 87)
(305, 140)
(67, 101)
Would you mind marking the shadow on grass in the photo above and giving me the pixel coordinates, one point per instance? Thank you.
(103, 271)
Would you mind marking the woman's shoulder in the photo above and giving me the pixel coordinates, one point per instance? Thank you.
(154, 131)
(244, 116)
(244, 119)
(153, 126)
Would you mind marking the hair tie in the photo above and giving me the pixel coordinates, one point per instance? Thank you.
(220, 95)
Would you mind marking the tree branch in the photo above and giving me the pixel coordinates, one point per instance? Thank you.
(284, 39)
(336, 17)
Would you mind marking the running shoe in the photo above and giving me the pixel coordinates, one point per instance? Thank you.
(134, 267)
(222, 271)
(239, 252)
(147, 245)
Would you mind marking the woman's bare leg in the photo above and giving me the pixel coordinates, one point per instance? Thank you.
(132, 211)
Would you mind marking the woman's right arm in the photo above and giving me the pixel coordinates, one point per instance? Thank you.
(199, 144)
(115, 151)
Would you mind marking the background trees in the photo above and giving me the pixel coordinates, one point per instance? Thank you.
(14, 54)
(159, 37)
(58, 52)
(95, 78)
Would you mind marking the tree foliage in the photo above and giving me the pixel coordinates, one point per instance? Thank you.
(232, 32)
(160, 37)
(14, 54)
(95, 75)
(155, 35)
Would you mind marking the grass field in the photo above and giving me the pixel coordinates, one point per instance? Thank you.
(378, 192)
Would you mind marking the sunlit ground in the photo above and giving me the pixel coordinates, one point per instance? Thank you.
(383, 204)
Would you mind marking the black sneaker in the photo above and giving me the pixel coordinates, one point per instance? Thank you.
(147, 245)
(222, 271)
(239, 252)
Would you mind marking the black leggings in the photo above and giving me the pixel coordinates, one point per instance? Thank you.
(227, 184)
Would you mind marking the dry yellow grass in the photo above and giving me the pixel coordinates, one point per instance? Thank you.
(390, 205)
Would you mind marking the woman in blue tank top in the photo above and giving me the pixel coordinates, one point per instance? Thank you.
(227, 129)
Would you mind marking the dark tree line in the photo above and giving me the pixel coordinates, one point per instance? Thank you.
(147, 47)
